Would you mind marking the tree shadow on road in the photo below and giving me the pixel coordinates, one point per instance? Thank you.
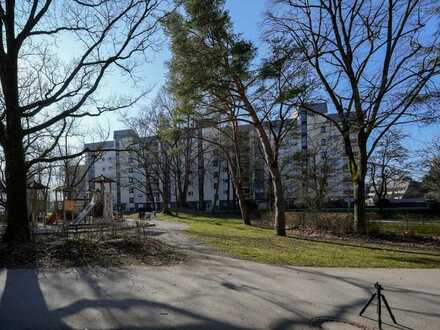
(23, 306)
(26, 304)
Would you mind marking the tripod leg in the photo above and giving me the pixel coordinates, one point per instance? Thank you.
(389, 309)
(379, 310)
(368, 304)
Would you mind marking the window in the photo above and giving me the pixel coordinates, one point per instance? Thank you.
(215, 163)
(131, 200)
(323, 142)
(130, 170)
(323, 129)
(190, 193)
(216, 174)
(215, 185)
(130, 180)
(131, 190)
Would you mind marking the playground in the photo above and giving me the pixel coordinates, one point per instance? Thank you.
(91, 217)
(85, 233)
(96, 207)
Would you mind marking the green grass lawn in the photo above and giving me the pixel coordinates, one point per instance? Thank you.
(428, 228)
(230, 236)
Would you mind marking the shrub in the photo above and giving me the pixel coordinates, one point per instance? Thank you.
(322, 222)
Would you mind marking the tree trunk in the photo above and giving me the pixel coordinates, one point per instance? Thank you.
(177, 194)
(166, 189)
(17, 223)
(235, 174)
(149, 196)
(183, 192)
(165, 202)
(243, 207)
(279, 213)
(271, 158)
(277, 185)
(238, 192)
(18, 229)
(217, 188)
(358, 171)
(359, 214)
(214, 202)
(186, 175)
(201, 172)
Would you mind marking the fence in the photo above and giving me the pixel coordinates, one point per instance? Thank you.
(97, 231)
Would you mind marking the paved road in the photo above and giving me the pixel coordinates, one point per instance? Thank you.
(211, 291)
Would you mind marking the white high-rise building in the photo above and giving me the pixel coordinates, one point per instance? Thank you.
(312, 135)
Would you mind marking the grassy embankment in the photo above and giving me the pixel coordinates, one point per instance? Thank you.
(230, 236)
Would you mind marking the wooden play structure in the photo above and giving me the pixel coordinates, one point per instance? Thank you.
(96, 207)
(64, 207)
(91, 217)
(37, 202)
(104, 195)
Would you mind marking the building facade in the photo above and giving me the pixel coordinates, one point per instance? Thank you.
(312, 162)
(400, 192)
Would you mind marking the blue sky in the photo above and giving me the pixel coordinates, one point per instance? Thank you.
(247, 17)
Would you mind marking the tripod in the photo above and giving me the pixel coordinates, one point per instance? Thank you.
(380, 297)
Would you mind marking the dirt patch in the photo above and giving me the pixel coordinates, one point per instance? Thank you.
(88, 253)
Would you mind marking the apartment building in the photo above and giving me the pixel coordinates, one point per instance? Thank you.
(139, 184)
(322, 142)
(400, 191)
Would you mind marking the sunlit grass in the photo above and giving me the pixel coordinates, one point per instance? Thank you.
(230, 236)
(432, 228)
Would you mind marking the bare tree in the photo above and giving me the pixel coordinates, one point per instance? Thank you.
(40, 90)
(389, 165)
(431, 163)
(314, 170)
(143, 153)
(152, 151)
(184, 145)
(376, 61)
(228, 138)
(72, 160)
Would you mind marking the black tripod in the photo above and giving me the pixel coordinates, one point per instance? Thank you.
(380, 297)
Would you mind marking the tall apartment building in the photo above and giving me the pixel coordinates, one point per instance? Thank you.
(312, 135)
